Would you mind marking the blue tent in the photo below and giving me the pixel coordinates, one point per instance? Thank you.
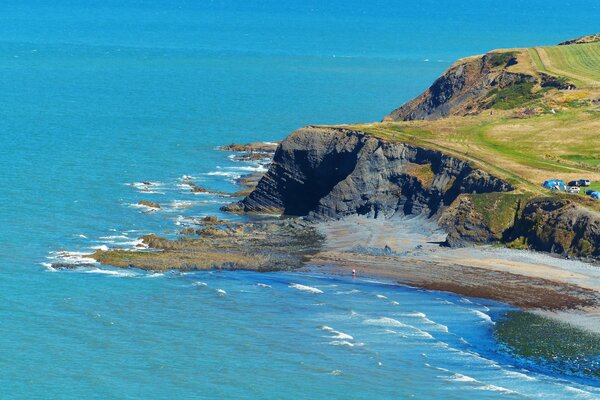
(555, 183)
(595, 195)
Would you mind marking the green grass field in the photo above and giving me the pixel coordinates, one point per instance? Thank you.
(578, 62)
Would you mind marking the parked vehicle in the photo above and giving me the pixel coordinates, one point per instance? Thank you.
(573, 189)
(589, 192)
(573, 183)
(583, 182)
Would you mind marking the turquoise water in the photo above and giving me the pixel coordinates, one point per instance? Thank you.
(96, 96)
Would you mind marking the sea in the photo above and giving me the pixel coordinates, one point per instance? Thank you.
(97, 97)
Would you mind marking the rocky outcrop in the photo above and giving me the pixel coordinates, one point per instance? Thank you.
(582, 40)
(149, 204)
(464, 89)
(548, 224)
(559, 226)
(335, 172)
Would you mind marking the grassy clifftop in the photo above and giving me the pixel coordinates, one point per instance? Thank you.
(525, 131)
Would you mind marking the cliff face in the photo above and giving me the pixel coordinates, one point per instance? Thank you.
(333, 172)
(559, 226)
(464, 88)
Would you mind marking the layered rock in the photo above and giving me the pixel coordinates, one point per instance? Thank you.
(559, 226)
(334, 172)
(464, 89)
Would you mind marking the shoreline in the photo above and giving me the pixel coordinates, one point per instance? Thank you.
(566, 290)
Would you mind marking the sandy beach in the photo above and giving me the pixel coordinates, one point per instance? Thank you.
(408, 251)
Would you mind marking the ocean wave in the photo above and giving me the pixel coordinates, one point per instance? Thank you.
(113, 237)
(229, 174)
(583, 393)
(143, 208)
(264, 285)
(155, 275)
(386, 321)
(514, 374)
(221, 292)
(483, 316)
(345, 343)
(380, 296)
(423, 317)
(201, 284)
(462, 378)
(494, 388)
(110, 272)
(305, 288)
(257, 168)
(336, 334)
(71, 257)
(353, 291)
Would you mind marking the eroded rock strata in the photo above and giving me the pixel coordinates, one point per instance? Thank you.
(334, 172)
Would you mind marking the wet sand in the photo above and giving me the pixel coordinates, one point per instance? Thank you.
(408, 251)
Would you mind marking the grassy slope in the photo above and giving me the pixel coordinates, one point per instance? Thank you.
(562, 139)
(578, 62)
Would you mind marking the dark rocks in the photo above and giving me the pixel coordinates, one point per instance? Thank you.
(559, 226)
(464, 89)
(582, 40)
(188, 231)
(334, 172)
(263, 147)
(149, 204)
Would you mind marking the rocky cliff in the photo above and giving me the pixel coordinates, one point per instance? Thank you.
(334, 172)
(322, 173)
(466, 88)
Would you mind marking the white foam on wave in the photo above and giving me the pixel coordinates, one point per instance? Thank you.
(583, 393)
(335, 372)
(229, 174)
(155, 275)
(353, 291)
(386, 321)
(221, 292)
(144, 208)
(113, 237)
(345, 343)
(257, 168)
(423, 317)
(514, 374)
(336, 334)
(201, 284)
(391, 323)
(394, 302)
(380, 296)
(483, 316)
(494, 388)
(81, 236)
(414, 314)
(71, 257)
(480, 385)
(305, 288)
(101, 247)
(263, 285)
(109, 272)
(462, 378)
